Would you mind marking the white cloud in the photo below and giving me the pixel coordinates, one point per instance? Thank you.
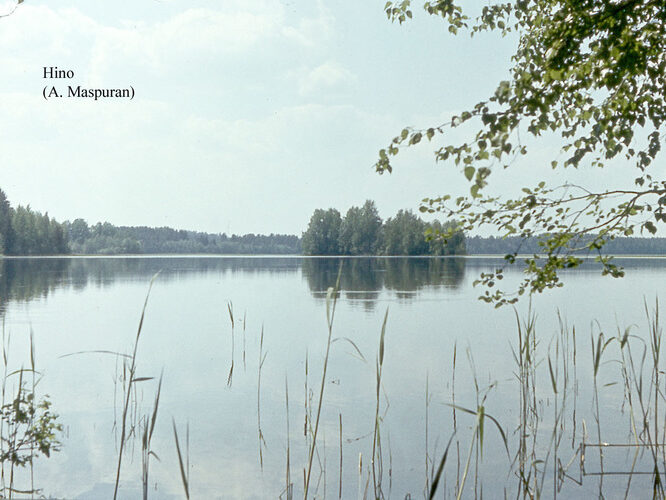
(312, 31)
(325, 77)
(47, 35)
(194, 33)
(224, 117)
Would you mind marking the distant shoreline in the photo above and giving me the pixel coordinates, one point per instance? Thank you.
(301, 256)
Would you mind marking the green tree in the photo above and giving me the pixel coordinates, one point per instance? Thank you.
(587, 71)
(322, 235)
(6, 231)
(24, 231)
(43, 234)
(33, 233)
(454, 244)
(404, 234)
(349, 231)
(360, 232)
(371, 229)
(57, 238)
(79, 231)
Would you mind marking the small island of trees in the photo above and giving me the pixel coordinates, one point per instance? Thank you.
(362, 232)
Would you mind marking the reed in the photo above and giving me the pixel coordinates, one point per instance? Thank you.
(230, 308)
(376, 437)
(545, 427)
(289, 486)
(428, 463)
(244, 324)
(183, 464)
(262, 359)
(146, 440)
(331, 300)
(340, 471)
(130, 385)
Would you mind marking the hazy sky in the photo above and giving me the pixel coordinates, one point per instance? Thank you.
(247, 116)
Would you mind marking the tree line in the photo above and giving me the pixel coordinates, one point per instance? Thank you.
(362, 232)
(477, 245)
(107, 239)
(24, 231)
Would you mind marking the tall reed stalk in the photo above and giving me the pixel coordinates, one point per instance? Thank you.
(230, 308)
(146, 440)
(130, 383)
(262, 358)
(184, 464)
(376, 438)
(331, 301)
(289, 486)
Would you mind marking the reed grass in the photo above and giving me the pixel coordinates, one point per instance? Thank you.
(340, 470)
(130, 386)
(546, 428)
(289, 486)
(262, 359)
(331, 300)
(244, 336)
(230, 308)
(146, 440)
(183, 464)
(376, 437)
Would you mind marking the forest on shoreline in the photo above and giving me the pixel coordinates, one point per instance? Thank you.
(24, 231)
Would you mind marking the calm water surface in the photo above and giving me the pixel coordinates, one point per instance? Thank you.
(79, 305)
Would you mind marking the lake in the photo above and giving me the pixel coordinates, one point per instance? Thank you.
(232, 423)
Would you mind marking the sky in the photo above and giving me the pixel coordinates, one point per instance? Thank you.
(247, 115)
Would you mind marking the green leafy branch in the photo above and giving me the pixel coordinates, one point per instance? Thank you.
(590, 72)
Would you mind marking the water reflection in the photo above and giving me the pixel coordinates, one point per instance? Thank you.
(24, 279)
(187, 334)
(362, 279)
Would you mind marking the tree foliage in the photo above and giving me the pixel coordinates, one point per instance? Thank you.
(34, 233)
(107, 239)
(404, 235)
(454, 242)
(592, 73)
(26, 232)
(323, 233)
(362, 232)
(6, 230)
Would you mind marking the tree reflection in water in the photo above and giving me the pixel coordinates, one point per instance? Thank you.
(363, 278)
